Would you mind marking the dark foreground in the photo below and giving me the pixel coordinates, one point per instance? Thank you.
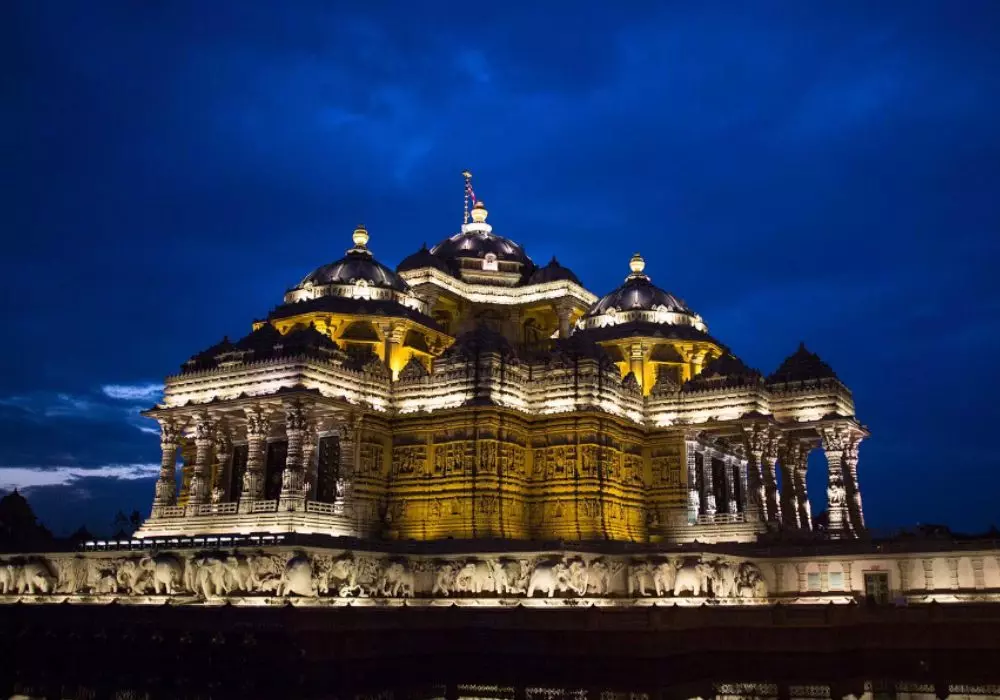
(164, 652)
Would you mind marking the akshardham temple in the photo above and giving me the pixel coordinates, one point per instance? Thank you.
(476, 427)
(474, 394)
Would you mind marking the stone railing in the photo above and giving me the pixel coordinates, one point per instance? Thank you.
(170, 512)
(324, 508)
(726, 519)
(215, 509)
(264, 507)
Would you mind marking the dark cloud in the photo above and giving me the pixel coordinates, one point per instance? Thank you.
(794, 170)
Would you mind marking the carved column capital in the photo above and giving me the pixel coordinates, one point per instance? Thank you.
(258, 422)
(170, 432)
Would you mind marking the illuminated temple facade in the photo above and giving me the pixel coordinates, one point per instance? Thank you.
(472, 393)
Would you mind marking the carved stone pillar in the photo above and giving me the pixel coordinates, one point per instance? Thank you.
(789, 494)
(166, 483)
(779, 578)
(978, 573)
(394, 335)
(293, 477)
(564, 313)
(928, 565)
(707, 483)
(310, 443)
(851, 485)
(755, 438)
(953, 572)
(846, 566)
(694, 498)
(223, 453)
(769, 464)
(905, 567)
(802, 492)
(731, 467)
(204, 439)
(824, 577)
(834, 441)
(744, 475)
(801, 570)
(635, 361)
(258, 427)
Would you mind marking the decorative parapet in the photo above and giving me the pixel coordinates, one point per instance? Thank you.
(245, 571)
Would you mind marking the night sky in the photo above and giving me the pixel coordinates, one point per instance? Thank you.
(823, 172)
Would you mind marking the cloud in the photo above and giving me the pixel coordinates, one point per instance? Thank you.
(133, 392)
(28, 477)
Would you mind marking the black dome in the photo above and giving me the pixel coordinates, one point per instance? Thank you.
(476, 244)
(551, 273)
(639, 294)
(356, 265)
(422, 258)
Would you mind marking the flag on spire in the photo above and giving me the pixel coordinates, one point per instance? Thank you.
(469, 194)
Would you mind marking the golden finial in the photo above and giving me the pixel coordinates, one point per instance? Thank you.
(637, 264)
(479, 212)
(360, 236)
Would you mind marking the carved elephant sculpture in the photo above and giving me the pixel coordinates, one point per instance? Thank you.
(397, 581)
(210, 577)
(750, 581)
(240, 575)
(34, 577)
(694, 578)
(664, 575)
(510, 577)
(298, 578)
(548, 578)
(132, 577)
(8, 578)
(475, 577)
(640, 575)
(166, 572)
(599, 577)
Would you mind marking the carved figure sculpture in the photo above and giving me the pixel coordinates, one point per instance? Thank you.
(71, 574)
(166, 571)
(510, 577)
(577, 577)
(750, 581)
(396, 580)
(724, 581)
(663, 574)
(599, 577)
(475, 577)
(548, 577)
(694, 578)
(640, 574)
(445, 574)
(298, 578)
(132, 577)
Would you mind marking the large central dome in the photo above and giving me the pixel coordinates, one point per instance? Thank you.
(476, 255)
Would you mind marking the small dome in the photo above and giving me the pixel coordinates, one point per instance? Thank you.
(422, 258)
(638, 293)
(552, 272)
(358, 264)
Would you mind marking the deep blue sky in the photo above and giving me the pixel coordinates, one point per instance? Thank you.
(817, 171)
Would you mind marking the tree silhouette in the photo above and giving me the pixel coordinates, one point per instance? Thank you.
(20, 530)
